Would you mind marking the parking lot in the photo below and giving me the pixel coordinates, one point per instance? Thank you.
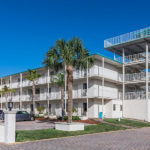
(33, 125)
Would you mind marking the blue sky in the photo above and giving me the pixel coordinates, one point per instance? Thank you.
(28, 28)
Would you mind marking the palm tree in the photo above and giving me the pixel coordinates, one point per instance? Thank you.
(59, 80)
(6, 92)
(72, 54)
(33, 76)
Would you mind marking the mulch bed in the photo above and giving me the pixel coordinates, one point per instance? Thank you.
(89, 121)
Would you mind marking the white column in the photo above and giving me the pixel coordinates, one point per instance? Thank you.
(48, 82)
(103, 85)
(1, 94)
(87, 95)
(146, 71)
(10, 86)
(65, 89)
(20, 98)
(114, 55)
(10, 126)
(147, 97)
(123, 73)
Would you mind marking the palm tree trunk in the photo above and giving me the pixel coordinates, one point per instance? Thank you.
(62, 102)
(70, 82)
(33, 96)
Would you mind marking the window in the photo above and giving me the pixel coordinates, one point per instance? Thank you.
(120, 107)
(85, 107)
(3, 81)
(24, 112)
(114, 107)
(49, 108)
(18, 79)
(37, 91)
(67, 88)
(84, 85)
(49, 90)
(52, 73)
(30, 91)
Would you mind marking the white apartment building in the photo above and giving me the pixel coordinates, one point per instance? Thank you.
(134, 49)
(97, 89)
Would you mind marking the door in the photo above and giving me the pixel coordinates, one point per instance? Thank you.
(84, 108)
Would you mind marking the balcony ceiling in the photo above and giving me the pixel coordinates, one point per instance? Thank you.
(131, 47)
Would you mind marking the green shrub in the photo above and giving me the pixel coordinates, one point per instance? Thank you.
(66, 118)
(37, 116)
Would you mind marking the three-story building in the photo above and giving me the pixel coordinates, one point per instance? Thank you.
(97, 89)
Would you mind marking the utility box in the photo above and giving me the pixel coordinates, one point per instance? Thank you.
(101, 115)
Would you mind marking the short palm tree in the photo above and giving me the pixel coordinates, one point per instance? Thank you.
(33, 76)
(6, 92)
(72, 54)
(59, 80)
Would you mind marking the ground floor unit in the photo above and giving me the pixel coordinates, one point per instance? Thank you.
(110, 108)
(133, 109)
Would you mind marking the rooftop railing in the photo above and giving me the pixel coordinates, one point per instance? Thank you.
(131, 36)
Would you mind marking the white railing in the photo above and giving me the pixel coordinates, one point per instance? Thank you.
(97, 71)
(132, 58)
(135, 35)
(135, 58)
(136, 76)
(135, 95)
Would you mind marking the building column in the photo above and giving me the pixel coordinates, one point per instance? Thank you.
(123, 78)
(147, 97)
(87, 94)
(103, 85)
(20, 97)
(1, 94)
(114, 55)
(48, 82)
(10, 86)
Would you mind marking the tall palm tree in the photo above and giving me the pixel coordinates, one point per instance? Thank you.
(5, 90)
(59, 80)
(33, 76)
(72, 54)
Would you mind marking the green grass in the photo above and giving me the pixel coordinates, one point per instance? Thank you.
(32, 135)
(132, 123)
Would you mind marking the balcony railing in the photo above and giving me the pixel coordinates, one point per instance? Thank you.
(136, 77)
(135, 95)
(135, 35)
(95, 71)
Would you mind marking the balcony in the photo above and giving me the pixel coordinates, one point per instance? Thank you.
(135, 35)
(96, 71)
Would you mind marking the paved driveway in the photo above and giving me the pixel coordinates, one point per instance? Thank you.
(34, 125)
(133, 139)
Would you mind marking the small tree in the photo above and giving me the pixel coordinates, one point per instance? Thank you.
(6, 92)
(40, 109)
(33, 76)
(59, 80)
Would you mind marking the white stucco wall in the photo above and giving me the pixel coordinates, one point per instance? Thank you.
(136, 109)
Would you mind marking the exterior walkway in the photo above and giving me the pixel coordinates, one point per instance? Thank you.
(133, 139)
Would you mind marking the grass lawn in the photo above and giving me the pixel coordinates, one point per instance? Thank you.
(22, 136)
(132, 123)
